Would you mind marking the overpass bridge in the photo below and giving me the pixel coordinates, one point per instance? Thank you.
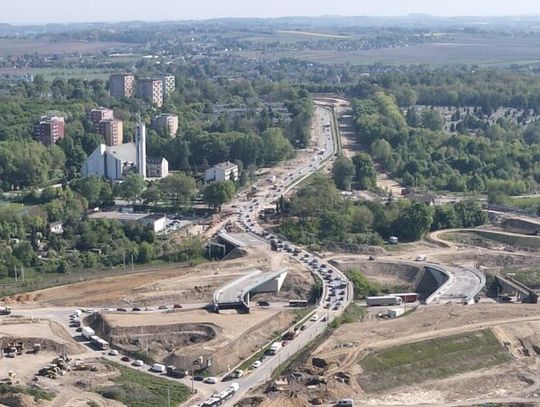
(450, 284)
(236, 294)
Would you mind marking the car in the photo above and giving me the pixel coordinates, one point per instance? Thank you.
(138, 363)
(121, 309)
(177, 306)
(163, 307)
(263, 303)
(303, 327)
(125, 359)
(136, 309)
(371, 258)
(323, 266)
(238, 373)
(314, 318)
(256, 364)
(210, 380)
(327, 306)
(198, 377)
(113, 352)
(79, 329)
(323, 319)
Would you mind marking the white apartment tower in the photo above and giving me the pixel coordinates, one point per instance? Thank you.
(140, 141)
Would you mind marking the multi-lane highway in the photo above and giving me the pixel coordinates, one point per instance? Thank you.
(333, 299)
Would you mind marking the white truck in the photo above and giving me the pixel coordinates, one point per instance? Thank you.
(88, 332)
(275, 348)
(384, 300)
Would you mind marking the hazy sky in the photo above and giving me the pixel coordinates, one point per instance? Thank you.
(43, 11)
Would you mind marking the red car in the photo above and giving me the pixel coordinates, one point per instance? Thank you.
(177, 306)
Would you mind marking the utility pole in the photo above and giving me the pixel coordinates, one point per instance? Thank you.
(22, 270)
(15, 274)
(132, 268)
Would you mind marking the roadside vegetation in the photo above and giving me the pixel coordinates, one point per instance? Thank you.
(431, 359)
(37, 393)
(140, 389)
(319, 214)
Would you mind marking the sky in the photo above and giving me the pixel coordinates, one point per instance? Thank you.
(61, 11)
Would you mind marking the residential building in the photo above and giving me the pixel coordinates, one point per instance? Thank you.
(225, 171)
(112, 130)
(98, 114)
(50, 129)
(169, 84)
(122, 85)
(166, 121)
(157, 167)
(151, 90)
(56, 227)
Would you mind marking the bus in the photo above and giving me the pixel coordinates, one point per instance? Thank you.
(99, 343)
(298, 303)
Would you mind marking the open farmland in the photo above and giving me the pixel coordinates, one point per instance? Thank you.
(432, 359)
(480, 49)
(10, 46)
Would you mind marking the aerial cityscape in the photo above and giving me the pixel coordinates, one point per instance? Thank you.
(288, 204)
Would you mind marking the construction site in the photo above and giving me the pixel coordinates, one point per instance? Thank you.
(470, 337)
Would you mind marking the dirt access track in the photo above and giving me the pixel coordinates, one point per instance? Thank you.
(515, 326)
(167, 284)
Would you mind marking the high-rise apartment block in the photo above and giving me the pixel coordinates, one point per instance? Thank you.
(113, 131)
(50, 129)
(166, 121)
(169, 84)
(122, 85)
(151, 89)
(98, 114)
(104, 123)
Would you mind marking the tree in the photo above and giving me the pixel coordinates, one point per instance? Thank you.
(151, 195)
(218, 193)
(361, 219)
(366, 175)
(470, 213)
(414, 221)
(94, 189)
(343, 173)
(132, 187)
(445, 217)
(275, 147)
(179, 188)
(432, 119)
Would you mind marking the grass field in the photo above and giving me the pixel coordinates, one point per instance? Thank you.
(530, 277)
(430, 360)
(14, 46)
(139, 389)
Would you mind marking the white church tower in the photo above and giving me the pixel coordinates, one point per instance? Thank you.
(140, 141)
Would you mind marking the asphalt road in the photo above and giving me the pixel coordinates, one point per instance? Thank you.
(247, 216)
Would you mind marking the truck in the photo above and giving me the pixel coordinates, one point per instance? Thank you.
(158, 368)
(387, 300)
(88, 332)
(407, 297)
(275, 348)
(5, 310)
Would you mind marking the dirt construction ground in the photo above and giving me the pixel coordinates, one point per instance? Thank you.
(517, 326)
(167, 284)
(180, 337)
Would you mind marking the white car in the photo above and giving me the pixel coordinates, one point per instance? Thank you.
(138, 363)
(210, 380)
(314, 318)
(256, 364)
(113, 352)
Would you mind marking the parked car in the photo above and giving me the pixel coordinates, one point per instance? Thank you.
(125, 359)
(113, 352)
(136, 309)
(138, 363)
(210, 380)
(163, 307)
(177, 306)
(256, 364)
